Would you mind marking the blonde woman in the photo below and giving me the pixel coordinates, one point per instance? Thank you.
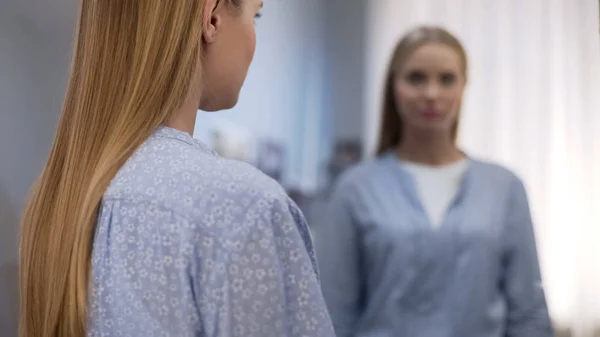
(134, 227)
(423, 240)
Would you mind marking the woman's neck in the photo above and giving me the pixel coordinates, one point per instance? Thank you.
(184, 119)
(434, 150)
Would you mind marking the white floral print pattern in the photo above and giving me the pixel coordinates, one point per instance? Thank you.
(192, 244)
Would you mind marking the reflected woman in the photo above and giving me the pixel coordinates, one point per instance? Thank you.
(135, 228)
(425, 241)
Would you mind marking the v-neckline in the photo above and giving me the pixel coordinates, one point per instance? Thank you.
(409, 185)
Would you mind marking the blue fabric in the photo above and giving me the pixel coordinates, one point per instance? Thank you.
(192, 244)
(386, 272)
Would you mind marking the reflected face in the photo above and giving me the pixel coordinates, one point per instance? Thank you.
(228, 50)
(429, 89)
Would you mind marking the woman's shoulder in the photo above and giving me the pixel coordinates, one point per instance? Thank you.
(499, 176)
(191, 180)
(494, 169)
(370, 172)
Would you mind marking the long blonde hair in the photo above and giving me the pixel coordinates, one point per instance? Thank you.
(391, 123)
(134, 63)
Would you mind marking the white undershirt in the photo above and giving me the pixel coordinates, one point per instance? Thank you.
(437, 186)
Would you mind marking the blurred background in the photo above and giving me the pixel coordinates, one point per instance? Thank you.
(310, 108)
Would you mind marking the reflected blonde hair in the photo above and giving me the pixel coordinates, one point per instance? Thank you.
(391, 124)
(133, 65)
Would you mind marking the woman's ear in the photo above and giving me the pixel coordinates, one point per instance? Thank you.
(211, 20)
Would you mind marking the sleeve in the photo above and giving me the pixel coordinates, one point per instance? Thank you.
(527, 310)
(338, 255)
(269, 284)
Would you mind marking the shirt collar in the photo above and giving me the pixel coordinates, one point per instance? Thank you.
(167, 132)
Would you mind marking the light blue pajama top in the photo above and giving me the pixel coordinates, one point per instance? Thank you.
(386, 272)
(189, 244)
